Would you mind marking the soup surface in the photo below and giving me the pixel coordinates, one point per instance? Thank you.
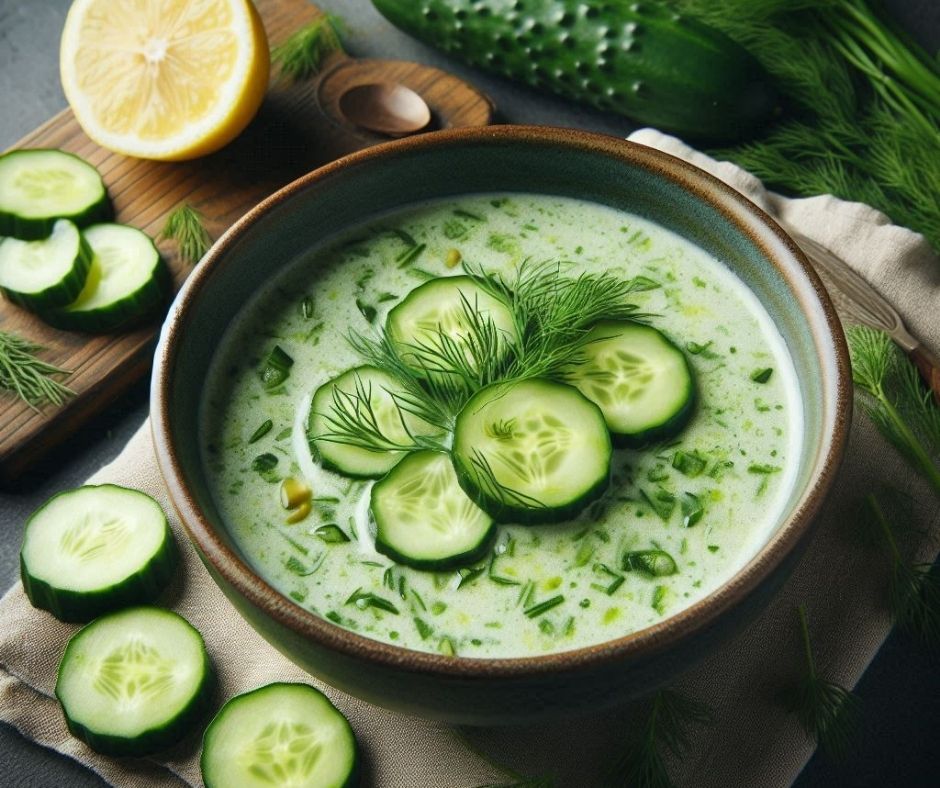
(708, 498)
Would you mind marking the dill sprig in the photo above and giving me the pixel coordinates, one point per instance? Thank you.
(913, 589)
(28, 377)
(829, 713)
(668, 722)
(353, 421)
(864, 114)
(185, 225)
(303, 53)
(898, 404)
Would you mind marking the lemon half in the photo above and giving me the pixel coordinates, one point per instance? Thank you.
(164, 79)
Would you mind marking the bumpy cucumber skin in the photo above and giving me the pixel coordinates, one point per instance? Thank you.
(131, 310)
(35, 228)
(63, 292)
(639, 59)
(156, 739)
(206, 768)
(143, 586)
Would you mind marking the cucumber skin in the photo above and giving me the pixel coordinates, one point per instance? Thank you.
(354, 772)
(659, 432)
(641, 59)
(129, 311)
(153, 740)
(63, 292)
(35, 229)
(139, 588)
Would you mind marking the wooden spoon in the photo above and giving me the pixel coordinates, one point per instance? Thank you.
(386, 108)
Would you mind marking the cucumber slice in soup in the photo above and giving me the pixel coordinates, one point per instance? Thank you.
(423, 517)
(531, 451)
(280, 735)
(367, 396)
(134, 682)
(94, 549)
(450, 316)
(47, 273)
(39, 186)
(638, 378)
(128, 282)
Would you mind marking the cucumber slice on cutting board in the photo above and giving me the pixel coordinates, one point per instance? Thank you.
(445, 318)
(423, 517)
(531, 451)
(47, 273)
(638, 378)
(367, 395)
(94, 549)
(134, 682)
(280, 735)
(128, 282)
(39, 186)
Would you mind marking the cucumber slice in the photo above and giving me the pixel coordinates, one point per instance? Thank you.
(47, 273)
(134, 682)
(94, 549)
(531, 451)
(367, 394)
(424, 519)
(280, 735)
(128, 282)
(641, 381)
(448, 317)
(39, 186)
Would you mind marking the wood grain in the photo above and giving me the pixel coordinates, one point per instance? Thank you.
(296, 130)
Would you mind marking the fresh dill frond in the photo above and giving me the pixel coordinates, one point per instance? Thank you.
(913, 589)
(186, 226)
(863, 105)
(303, 53)
(353, 421)
(669, 720)
(900, 407)
(27, 377)
(828, 712)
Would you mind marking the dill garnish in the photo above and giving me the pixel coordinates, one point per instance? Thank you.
(829, 713)
(28, 377)
(900, 407)
(303, 53)
(669, 717)
(913, 589)
(185, 226)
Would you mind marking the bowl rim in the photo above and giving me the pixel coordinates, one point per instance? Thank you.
(645, 643)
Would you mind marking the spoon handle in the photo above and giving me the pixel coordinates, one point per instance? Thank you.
(928, 364)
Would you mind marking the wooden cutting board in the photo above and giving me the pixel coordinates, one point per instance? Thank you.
(297, 129)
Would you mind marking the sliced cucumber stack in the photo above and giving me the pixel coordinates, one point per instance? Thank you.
(279, 735)
(531, 451)
(450, 323)
(638, 378)
(47, 273)
(128, 281)
(424, 519)
(364, 397)
(95, 549)
(39, 186)
(134, 682)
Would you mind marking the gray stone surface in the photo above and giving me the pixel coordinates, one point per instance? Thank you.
(900, 689)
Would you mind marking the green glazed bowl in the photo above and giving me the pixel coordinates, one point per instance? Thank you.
(524, 159)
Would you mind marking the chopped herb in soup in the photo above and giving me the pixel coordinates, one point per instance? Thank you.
(501, 425)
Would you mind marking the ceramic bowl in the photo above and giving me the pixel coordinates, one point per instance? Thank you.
(526, 159)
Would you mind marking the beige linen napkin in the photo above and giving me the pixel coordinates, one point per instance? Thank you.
(752, 743)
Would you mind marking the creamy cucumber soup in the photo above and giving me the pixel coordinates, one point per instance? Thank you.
(501, 425)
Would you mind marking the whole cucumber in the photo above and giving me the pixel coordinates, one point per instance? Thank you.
(638, 59)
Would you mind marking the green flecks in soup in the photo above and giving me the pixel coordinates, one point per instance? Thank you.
(677, 519)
